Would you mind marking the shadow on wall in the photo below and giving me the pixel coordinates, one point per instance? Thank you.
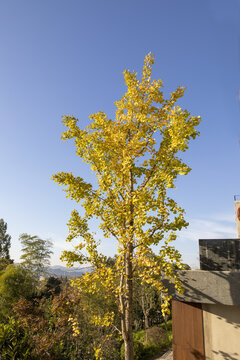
(192, 291)
(228, 284)
(219, 254)
(217, 287)
(219, 280)
(223, 255)
(225, 356)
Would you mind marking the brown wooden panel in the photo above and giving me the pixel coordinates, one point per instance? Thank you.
(188, 342)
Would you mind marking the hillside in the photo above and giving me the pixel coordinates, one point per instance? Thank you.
(62, 271)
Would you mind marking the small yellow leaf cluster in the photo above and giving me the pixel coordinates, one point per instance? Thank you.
(98, 352)
(103, 321)
(75, 326)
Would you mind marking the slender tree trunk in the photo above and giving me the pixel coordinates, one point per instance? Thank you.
(127, 302)
(145, 313)
(146, 326)
(128, 341)
(128, 346)
(147, 305)
(165, 321)
(146, 321)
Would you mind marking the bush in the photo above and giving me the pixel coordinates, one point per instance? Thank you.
(14, 283)
(111, 349)
(168, 325)
(14, 342)
(157, 336)
(159, 340)
(139, 335)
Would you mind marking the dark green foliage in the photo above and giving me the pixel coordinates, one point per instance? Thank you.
(4, 263)
(167, 326)
(14, 342)
(52, 287)
(5, 240)
(160, 340)
(111, 261)
(111, 349)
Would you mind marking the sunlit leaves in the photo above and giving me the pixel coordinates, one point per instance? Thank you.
(136, 158)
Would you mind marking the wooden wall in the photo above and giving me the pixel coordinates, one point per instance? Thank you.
(188, 341)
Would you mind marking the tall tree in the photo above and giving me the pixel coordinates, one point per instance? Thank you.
(5, 240)
(36, 253)
(135, 161)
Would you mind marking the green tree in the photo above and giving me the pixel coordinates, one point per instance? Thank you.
(50, 287)
(5, 240)
(135, 159)
(36, 253)
(4, 263)
(14, 283)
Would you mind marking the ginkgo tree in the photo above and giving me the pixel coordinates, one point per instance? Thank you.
(135, 159)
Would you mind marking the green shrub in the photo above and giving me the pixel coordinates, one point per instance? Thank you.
(139, 335)
(111, 349)
(14, 342)
(159, 340)
(157, 336)
(15, 282)
(169, 325)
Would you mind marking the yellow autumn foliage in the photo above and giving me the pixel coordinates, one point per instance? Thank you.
(135, 157)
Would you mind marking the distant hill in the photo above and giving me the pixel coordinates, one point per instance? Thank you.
(58, 271)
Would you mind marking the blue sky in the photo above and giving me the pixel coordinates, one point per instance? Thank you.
(67, 57)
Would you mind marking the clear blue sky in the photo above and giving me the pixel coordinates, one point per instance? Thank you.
(67, 57)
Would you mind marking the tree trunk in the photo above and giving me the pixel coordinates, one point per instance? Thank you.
(146, 325)
(165, 318)
(128, 347)
(128, 340)
(146, 311)
(127, 304)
